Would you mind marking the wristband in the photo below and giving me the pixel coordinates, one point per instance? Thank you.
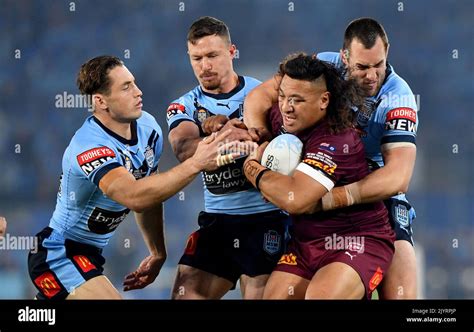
(253, 170)
(259, 177)
(341, 197)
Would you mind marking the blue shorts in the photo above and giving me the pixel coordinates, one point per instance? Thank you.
(61, 265)
(229, 246)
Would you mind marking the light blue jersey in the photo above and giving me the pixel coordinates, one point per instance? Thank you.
(391, 117)
(83, 213)
(226, 190)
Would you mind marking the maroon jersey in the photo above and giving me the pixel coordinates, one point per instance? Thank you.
(334, 160)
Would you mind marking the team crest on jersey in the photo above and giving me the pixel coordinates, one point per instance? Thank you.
(149, 156)
(271, 242)
(201, 113)
(92, 159)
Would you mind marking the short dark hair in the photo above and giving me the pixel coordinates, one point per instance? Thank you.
(366, 30)
(93, 77)
(208, 26)
(344, 94)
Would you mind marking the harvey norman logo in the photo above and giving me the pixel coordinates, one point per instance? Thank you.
(37, 315)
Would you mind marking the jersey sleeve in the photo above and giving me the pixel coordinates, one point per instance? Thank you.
(331, 57)
(398, 119)
(93, 158)
(321, 159)
(178, 111)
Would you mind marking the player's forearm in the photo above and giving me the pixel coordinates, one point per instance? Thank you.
(184, 148)
(385, 182)
(151, 226)
(283, 191)
(259, 101)
(152, 190)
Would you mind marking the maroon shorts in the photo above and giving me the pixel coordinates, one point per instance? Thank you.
(369, 256)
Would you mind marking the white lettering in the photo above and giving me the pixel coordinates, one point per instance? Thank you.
(37, 315)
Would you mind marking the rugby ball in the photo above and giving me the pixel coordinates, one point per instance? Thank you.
(283, 154)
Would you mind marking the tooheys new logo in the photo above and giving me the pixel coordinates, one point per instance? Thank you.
(402, 118)
(94, 158)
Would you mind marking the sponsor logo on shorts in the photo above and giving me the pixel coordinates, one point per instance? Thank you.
(84, 263)
(175, 109)
(402, 215)
(376, 279)
(48, 284)
(191, 244)
(271, 242)
(92, 159)
(288, 259)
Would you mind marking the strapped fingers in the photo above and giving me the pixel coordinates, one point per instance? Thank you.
(225, 159)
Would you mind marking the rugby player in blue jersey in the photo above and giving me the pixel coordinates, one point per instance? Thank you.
(109, 168)
(241, 236)
(388, 130)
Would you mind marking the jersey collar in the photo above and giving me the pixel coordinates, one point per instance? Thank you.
(227, 95)
(133, 128)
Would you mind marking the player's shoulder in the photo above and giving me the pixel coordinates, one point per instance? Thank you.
(323, 138)
(148, 121)
(189, 97)
(332, 57)
(251, 82)
(395, 83)
(90, 137)
(396, 93)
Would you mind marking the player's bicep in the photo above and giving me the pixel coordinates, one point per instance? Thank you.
(401, 160)
(314, 184)
(118, 184)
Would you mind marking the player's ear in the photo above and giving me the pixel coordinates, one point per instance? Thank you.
(386, 51)
(325, 97)
(344, 54)
(232, 50)
(99, 102)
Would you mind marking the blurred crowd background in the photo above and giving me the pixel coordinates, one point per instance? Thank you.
(43, 43)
